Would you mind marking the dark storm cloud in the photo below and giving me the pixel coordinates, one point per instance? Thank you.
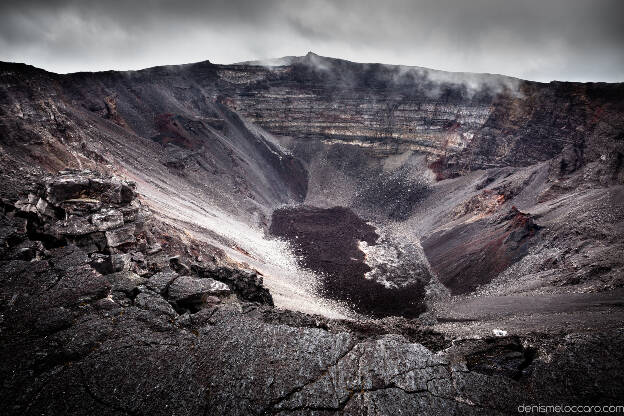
(534, 39)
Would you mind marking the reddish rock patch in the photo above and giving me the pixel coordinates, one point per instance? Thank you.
(473, 254)
(172, 131)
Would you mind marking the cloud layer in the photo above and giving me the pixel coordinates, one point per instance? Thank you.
(579, 40)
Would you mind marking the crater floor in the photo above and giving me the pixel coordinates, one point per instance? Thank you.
(327, 241)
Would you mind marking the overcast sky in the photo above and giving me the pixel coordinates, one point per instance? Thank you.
(579, 40)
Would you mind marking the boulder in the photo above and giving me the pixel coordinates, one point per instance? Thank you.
(81, 206)
(101, 263)
(154, 248)
(92, 242)
(161, 281)
(121, 235)
(247, 284)
(106, 264)
(155, 303)
(178, 266)
(107, 219)
(66, 186)
(81, 185)
(126, 282)
(188, 290)
(120, 262)
(130, 212)
(44, 208)
(74, 225)
(113, 190)
(25, 206)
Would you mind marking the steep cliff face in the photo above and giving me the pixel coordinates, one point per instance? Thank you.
(387, 108)
(463, 122)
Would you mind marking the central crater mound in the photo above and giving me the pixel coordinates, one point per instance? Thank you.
(326, 241)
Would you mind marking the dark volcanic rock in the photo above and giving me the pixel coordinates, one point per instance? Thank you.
(126, 282)
(248, 284)
(507, 357)
(107, 220)
(160, 281)
(74, 186)
(83, 208)
(154, 303)
(76, 342)
(327, 241)
(394, 195)
(121, 235)
(191, 292)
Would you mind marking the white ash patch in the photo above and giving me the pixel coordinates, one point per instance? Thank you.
(395, 264)
(377, 257)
